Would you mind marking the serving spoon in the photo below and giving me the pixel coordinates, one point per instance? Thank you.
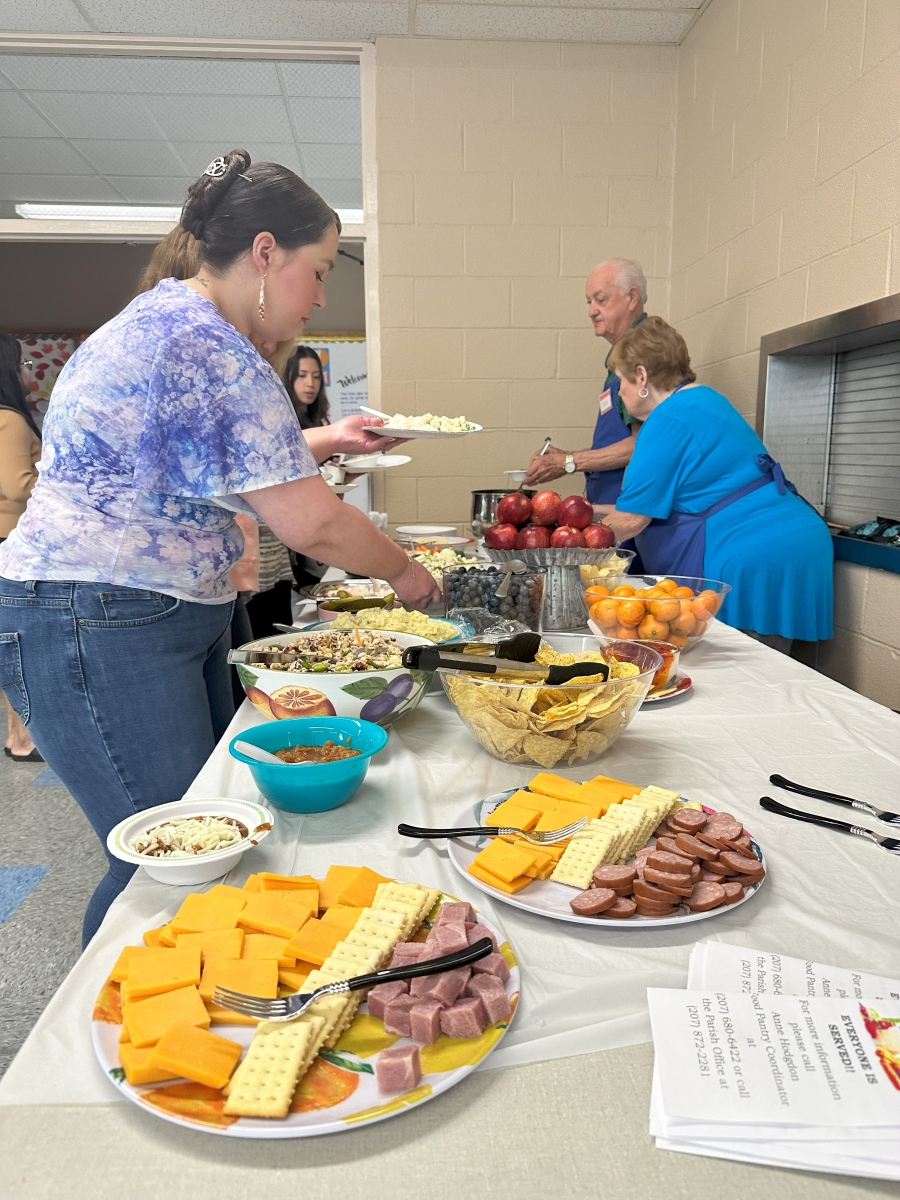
(258, 753)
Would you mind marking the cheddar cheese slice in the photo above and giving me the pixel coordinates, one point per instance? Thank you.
(278, 913)
(359, 892)
(148, 1019)
(256, 977)
(196, 1054)
(164, 972)
(502, 885)
(138, 1068)
(506, 861)
(555, 785)
(219, 943)
(315, 941)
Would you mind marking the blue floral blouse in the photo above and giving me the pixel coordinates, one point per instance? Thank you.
(156, 425)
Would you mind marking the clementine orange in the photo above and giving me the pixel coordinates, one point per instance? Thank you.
(631, 612)
(595, 592)
(624, 589)
(652, 628)
(683, 624)
(605, 613)
(665, 609)
(699, 629)
(668, 585)
(703, 607)
(676, 639)
(626, 633)
(683, 592)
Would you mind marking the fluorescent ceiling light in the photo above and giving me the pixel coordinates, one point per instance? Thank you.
(131, 212)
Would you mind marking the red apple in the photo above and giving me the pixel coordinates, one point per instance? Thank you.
(565, 535)
(533, 537)
(514, 509)
(501, 537)
(574, 510)
(599, 537)
(543, 508)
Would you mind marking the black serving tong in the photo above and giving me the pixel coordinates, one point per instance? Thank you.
(774, 806)
(889, 818)
(433, 658)
(522, 647)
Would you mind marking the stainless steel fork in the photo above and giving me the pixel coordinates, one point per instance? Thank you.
(539, 839)
(286, 1008)
(774, 806)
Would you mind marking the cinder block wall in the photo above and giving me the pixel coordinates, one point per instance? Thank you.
(787, 207)
(507, 170)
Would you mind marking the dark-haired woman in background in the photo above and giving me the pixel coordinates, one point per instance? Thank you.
(20, 448)
(115, 594)
(305, 383)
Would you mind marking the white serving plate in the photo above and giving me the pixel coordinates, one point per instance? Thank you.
(365, 1106)
(390, 431)
(549, 899)
(374, 462)
(682, 685)
(204, 868)
(424, 531)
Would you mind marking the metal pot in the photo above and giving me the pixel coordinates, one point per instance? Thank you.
(484, 507)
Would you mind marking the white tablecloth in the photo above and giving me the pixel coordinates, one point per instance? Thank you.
(828, 897)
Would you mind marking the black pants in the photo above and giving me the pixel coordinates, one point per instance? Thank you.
(265, 608)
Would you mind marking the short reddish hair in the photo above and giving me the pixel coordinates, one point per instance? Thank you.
(658, 348)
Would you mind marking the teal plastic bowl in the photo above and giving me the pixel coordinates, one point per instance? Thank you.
(311, 787)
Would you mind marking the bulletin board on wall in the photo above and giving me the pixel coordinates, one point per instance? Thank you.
(49, 352)
(346, 371)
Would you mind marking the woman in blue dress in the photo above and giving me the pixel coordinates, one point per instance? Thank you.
(702, 497)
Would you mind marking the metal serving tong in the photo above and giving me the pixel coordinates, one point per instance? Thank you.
(881, 814)
(263, 657)
(539, 839)
(433, 658)
(288, 1007)
(770, 805)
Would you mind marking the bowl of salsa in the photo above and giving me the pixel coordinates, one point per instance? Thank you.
(325, 760)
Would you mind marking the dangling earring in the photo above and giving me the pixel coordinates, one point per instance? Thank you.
(643, 393)
(262, 298)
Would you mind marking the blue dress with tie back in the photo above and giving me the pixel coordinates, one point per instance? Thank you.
(694, 451)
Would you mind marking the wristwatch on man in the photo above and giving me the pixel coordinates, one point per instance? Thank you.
(570, 464)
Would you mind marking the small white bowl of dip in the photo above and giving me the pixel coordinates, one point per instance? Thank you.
(192, 868)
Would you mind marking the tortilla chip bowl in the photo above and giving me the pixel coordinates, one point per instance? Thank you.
(529, 722)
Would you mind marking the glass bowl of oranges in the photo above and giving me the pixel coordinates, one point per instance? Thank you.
(655, 608)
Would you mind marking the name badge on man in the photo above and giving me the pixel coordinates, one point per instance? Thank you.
(606, 401)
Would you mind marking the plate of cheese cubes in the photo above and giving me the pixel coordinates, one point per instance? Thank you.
(645, 854)
(351, 1058)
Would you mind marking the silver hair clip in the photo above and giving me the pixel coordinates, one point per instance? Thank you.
(216, 168)
(243, 176)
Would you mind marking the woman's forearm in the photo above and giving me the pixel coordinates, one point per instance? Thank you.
(625, 525)
(307, 516)
(321, 441)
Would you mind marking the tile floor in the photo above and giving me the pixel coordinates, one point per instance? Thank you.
(41, 906)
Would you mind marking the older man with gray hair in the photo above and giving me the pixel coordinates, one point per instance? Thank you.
(616, 292)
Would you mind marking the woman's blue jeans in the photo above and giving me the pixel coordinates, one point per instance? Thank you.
(125, 693)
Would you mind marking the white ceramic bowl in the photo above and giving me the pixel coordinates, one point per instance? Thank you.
(380, 696)
(204, 867)
(516, 477)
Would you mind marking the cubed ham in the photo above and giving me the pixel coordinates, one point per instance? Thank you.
(449, 986)
(396, 1015)
(384, 993)
(398, 1069)
(422, 985)
(466, 1018)
(425, 1021)
(406, 953)
(492, 994)
(458, 910)
(449, 936)
(479, 984)
(492, 964)
(481, 931)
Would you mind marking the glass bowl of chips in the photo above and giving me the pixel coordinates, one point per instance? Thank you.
(522, 720)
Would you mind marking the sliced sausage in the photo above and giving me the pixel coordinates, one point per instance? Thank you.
(689, 820)
(713, 875)
(733, 891)
(594, 900)
(661, 830)
(695, 847)
(709, 840)
(661, 860)
(716, 868)
(647, 908)
(677, 879)
(723, 825)
(696, 872)
(649, 891)
(740, 864)
(608, 875)
(668, 845)
(742, 844)
(747, 880)
(705, 896)
(623, 907)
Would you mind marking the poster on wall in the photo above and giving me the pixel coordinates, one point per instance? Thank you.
(346, 373)
(49, 353)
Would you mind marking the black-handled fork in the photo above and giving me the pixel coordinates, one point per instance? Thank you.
(881, 814)
(774, 806)
(539, 839)
(288, 1007)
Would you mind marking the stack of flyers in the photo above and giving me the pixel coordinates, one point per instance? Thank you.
(770, 1059)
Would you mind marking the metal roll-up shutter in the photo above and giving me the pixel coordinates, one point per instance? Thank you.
(864, 455)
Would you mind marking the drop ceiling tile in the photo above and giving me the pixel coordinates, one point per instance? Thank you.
(326, 118)
(339, 193)
(138, 190)
(197, 155)
(58, 189)
(40, 156)
(60, 73)
(320, 79)
(18, 118)
(44, 16)
(116, 157)
(226, 120)
(323, 20)
(107, 115)
(332, 162)
(495, 21)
